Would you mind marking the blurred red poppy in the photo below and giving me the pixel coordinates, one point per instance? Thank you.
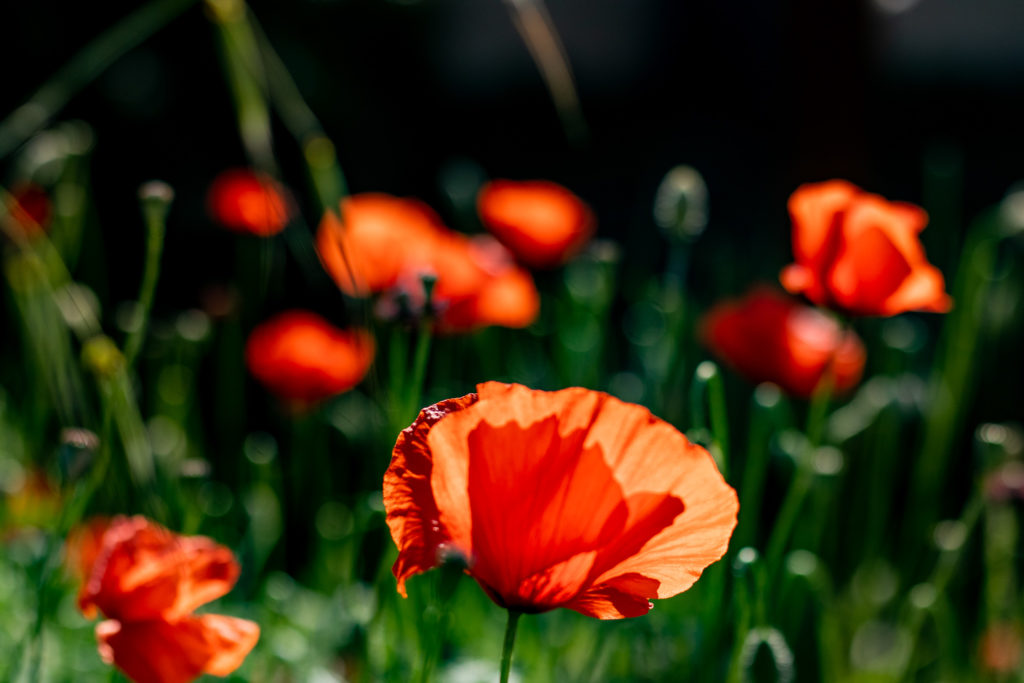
(304, 359)
(247, 201)
(385, 244)
(30, 209)
(147, 582)
(859, 253)
(556, 499)
(769, 337)
(543, 223)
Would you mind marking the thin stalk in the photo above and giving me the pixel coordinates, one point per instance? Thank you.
(952, 378)
(801, 484)
(69, 515)
(84, 67)
(155, 199)
(944, 571)
(510, 641)
(421, 354)
(538, 31)
(719, 419)
(297, 116)
(766, 398)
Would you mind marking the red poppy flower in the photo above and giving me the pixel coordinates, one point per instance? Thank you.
(248, 201)
(769, 337)
(859, 253)
(543, 223)
(302, 358)
(147, 581)
(555, 499)
(385, 244)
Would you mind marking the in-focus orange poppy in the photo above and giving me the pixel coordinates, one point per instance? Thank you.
(304, 359)
(543, 223)
(768, 336)
(859, 253)
(147, 582)
(384, 245)
(248, 201)
(569, 498)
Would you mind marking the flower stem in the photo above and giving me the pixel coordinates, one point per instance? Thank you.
(510, 641)
(155, 199)
(804, 477)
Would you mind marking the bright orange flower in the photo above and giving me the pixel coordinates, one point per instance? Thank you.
(302, 358)
(859, 253)
(555, 499)
(247, 201)
(385, 244)
(377, 238)
(543, 223)
(769, 337)
(147, 581)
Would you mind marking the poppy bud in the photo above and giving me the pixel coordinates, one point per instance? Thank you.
(681, 204)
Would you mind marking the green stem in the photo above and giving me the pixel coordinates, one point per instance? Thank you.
(801, 484)
(318, 151)
(155, 198)
(84, 67)
(414, 389)
(952, 379)
(944, 571)
(510, 641)
(708, 380)
(766, 399)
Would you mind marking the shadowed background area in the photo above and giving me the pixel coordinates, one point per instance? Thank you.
(917, 100)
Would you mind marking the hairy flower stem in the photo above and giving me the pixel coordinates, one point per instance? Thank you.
(510, 641)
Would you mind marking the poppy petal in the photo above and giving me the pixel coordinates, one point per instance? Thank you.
(145, 572)
(412, 513)
(770, 337)
(628, 595)
(815, 210)
(860, 253)
(302, 358)
(159, 651)
(556, 497)
(247, 201)
(543, 223)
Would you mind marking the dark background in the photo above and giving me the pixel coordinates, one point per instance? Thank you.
(916, 100)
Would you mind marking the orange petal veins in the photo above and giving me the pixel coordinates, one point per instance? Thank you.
(574, 499)
(158, 651)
